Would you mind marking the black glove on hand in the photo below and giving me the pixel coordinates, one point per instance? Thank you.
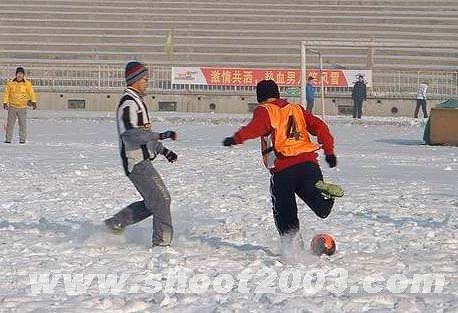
(5, 106)
(332, 160)
(168, 134)
(229, 141)
(170, 155)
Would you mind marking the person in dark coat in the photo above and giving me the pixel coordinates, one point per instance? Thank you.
(359, 95)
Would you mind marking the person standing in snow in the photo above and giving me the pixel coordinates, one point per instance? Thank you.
(17, 96)
(138, 147)
(291, 156)
(359, 95)
(421, 100)
(310, 94)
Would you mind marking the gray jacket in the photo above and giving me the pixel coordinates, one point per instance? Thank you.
(136, 140)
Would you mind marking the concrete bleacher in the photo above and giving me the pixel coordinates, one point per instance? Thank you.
(249, 33)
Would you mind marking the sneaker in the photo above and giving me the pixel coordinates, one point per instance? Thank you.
(22, 142)
(114, 225)
(329, 190)
(160, 244)
(6, 141)
(165, 241)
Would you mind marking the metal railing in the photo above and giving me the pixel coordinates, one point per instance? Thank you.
(110, 77)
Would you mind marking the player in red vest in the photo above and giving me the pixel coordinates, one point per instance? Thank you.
(291, 156)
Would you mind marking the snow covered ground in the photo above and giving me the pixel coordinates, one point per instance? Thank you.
(398, 217)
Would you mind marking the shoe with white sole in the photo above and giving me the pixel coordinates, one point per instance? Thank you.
(329, 190)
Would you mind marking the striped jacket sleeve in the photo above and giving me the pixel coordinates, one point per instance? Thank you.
(129, 130)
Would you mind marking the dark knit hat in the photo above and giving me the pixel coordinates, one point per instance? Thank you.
(134, 71)
(267, 89)
(20, 70)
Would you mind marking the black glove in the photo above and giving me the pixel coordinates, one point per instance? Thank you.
(229, 141)
(332, 160)
(170, 155)
(5, 106)
(168, 134)
(34, 105)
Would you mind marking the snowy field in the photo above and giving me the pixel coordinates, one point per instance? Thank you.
(398, 218)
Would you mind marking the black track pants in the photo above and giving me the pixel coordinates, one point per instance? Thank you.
(297, 180)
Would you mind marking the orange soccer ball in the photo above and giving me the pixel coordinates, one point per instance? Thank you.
(323, 244)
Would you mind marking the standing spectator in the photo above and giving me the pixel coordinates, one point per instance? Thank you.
(17, 96)
(359, 95)
(421, 100)
(310, 94)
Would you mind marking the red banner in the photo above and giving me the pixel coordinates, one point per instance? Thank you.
(250, 77)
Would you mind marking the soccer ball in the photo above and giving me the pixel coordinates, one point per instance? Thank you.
(323, 244)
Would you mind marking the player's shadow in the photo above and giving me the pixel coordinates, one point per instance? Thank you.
(402, 142)
(91, 233)
(98, 234)
(216, 242)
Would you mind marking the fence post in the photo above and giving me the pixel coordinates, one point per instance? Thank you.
(418, 78)
(99, 77)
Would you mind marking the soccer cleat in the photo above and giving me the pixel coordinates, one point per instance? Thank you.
(329, 190)
(160, 244)
(6, 141)
(115, 226)
(22, 142)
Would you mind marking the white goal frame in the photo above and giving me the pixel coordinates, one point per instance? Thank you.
(311, 46)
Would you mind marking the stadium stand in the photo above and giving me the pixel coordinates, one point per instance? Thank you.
(262, 33)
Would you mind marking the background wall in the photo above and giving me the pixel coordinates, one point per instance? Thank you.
(225, 103)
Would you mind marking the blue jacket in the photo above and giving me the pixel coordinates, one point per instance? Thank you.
(309, 92)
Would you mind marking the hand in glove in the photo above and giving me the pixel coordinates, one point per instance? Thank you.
(170, 155)
(5, 106)
(168, 134)
(332, 160)
(34, 105)
(229, 141)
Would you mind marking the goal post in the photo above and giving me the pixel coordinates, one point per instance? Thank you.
(393, 79)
